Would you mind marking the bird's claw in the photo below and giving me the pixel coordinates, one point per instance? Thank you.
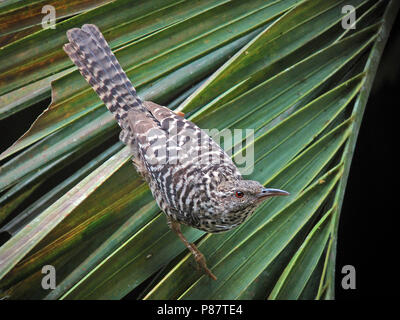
(201, 263)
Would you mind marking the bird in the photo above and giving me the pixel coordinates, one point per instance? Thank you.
(193, 180)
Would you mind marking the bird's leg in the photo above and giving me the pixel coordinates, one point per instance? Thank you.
(198, 256)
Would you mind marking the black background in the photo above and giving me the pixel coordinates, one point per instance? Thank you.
(367, 230)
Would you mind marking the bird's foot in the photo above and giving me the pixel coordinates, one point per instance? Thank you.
(198, 256)
(201, 262)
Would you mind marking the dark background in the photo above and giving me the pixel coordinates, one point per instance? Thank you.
(367, 229)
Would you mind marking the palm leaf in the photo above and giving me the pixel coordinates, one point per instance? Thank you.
(285, 69)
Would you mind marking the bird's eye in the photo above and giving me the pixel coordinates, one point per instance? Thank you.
(239, 194)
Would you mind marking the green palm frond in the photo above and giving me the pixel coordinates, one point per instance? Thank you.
(285, 69)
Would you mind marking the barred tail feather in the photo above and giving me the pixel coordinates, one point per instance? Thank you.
(90, 52)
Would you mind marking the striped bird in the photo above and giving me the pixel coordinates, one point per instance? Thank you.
(192, 179)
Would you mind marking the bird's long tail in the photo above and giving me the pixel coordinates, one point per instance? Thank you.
(90, 52)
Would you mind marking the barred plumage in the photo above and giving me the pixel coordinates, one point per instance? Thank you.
(192, 179)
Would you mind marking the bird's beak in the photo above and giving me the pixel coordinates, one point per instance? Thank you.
(269, 192)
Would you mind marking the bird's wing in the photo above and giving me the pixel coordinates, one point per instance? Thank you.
(188, 158)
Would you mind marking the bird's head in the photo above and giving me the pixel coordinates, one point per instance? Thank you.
(241, 197)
